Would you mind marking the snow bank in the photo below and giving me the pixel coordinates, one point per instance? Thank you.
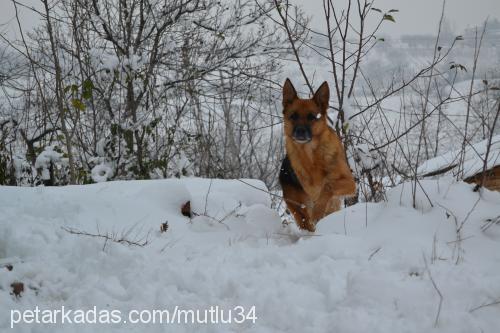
(363, 270)
(473, 159)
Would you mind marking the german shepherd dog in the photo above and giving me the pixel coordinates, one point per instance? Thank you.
(314, 175)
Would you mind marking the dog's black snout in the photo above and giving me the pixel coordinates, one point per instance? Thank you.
(302, 133)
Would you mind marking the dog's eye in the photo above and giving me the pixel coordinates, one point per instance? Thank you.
(311, 117)
(294, 116)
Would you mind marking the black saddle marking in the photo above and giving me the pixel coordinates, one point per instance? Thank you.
(288, 175)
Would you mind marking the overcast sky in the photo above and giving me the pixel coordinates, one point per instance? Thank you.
(414, 17)
(419, 16)
(8, 25)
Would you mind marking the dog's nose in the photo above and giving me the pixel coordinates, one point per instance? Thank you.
(302, 133)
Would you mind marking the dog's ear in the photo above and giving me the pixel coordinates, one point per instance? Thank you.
(322, 96)
(289, 93)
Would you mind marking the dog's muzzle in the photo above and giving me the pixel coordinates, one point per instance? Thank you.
(302, 134)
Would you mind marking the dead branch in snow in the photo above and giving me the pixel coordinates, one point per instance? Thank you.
(484, 305)
(490, 222)
(459, 238)
(122, 238)
(488, 145)
(374, 252)
(438, 313)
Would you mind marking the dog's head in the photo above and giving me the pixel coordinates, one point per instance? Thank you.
(305, 118)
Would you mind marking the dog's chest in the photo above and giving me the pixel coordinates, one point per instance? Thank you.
(310, 164)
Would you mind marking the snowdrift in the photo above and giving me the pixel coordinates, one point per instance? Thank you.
(384, 267)
(473, 160)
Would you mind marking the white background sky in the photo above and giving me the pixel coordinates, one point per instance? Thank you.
(418, 16)
(415, 16)
(8, 24)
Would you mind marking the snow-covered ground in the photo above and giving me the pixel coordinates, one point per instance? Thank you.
(368, 268)
(473, 159)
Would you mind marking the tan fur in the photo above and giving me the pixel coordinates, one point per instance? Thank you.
(320, 164)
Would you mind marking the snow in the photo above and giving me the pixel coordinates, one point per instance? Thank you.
(474, 157)
(362, 271)
(110, 62)
(363, 157)
(46, 157)
(101, 173)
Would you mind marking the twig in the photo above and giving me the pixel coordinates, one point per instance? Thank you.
(489, 144)
(284, 19)
(275, 195)
(225, 217)
(206, 197)
(490, 222)
(458, 242)
(484, 305)
(469, 213)
(141, 242)
(436, 320)
(374, 253)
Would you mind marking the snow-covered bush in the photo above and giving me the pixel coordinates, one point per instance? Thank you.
(102, 173)
(52, 166)
(133, 102)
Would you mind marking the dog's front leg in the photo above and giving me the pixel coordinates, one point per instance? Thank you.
(335, 188)
(321, 203)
